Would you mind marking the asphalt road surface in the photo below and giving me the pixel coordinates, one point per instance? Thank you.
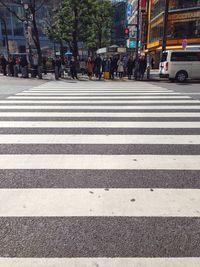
(99, 174)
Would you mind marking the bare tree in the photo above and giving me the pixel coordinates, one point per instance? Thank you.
(33, 7)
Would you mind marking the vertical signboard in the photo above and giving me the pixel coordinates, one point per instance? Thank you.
(129, 10)
(143, 5)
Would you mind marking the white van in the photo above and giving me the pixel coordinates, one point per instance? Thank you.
(180, 65)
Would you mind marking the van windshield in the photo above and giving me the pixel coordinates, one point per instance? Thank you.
(164, 57)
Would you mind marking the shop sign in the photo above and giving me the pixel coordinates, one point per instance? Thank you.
(121, 50)
(112, 49)
(129, 10)
(143, 5)
(185, 16)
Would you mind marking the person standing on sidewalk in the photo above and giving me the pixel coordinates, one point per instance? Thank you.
(3, 63)
(24, 67)
(120, 68)
(11, 64)
(73, 69)
(130, 66)
(142, 67)
(90, 67)
(112, 68)
(98, 67)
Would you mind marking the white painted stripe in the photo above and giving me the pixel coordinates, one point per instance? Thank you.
(100, 115)
(101, 262)
(161, 101)
(96, 93)
(97, 98)
(110, 107)
(101, 162)
(99, 90)
(97, 124)
(100, 139)
(116, 202)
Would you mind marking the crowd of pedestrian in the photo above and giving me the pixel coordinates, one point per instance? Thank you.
(14, 65)
(116, 67)
(96, 68)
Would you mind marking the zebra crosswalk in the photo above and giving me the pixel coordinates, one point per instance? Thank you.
(99, 175)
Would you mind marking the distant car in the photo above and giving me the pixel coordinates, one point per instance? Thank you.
(180, 65)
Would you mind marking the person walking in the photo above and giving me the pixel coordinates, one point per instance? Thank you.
(120, 68)
(142, 67)
(90, 67)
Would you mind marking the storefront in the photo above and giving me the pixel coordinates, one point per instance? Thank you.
(183, 23)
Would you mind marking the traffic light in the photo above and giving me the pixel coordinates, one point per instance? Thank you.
(126, 33)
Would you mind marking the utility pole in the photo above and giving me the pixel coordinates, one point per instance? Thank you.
(165, 25)
(138, 29)
(6, 35)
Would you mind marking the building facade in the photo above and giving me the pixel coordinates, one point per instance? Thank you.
(132, 17)
(183, 23)
(15, 29)
(119, 22)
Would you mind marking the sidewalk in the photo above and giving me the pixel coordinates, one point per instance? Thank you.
(154, 75)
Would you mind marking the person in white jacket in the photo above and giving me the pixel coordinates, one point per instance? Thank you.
(120, 68)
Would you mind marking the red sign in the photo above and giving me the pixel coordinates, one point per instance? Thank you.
(143, 5)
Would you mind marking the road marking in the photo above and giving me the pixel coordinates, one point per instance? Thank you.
(101, 139)
(99, 124)
(101, 262)
(97, 98)
(103, 114)
(91, 101)
(97, 93)
(101, 162)
(94, 107)
(98, 202)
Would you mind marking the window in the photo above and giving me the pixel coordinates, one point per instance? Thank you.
(164, 57)
(185, 56)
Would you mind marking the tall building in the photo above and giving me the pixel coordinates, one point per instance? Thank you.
(15, 28)
(183, 22)
(119, 22)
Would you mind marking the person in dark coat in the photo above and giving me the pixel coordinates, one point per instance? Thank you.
(130, 66)
(24, 67)
(142, 67)
(98, 64)
(3, 63)
(112, 68)
(11, 63)
(73, 69)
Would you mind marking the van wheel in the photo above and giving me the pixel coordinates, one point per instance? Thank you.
(181, 76)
